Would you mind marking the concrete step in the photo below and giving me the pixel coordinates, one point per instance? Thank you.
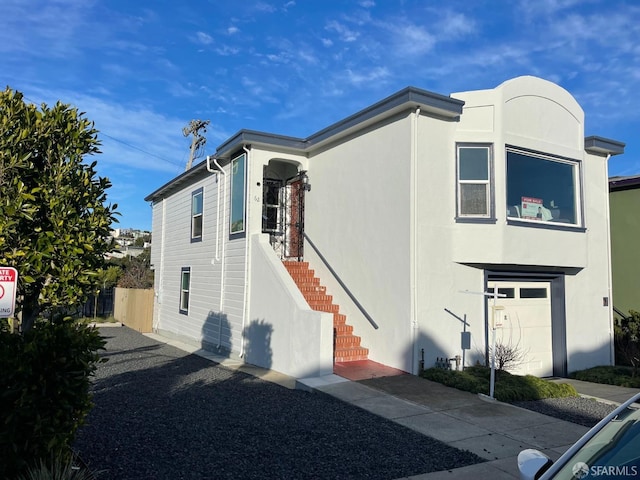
(351, 354)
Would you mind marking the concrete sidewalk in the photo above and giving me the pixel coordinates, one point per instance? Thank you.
(492, 430)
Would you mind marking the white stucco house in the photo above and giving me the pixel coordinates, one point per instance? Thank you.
(406, 212)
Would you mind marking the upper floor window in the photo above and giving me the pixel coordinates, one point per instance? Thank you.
(238, 195)
(474, 170)
(196, 215)
(543, 188)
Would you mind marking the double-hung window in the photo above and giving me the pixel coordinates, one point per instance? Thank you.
(474, 189)
(196, 215)
(185, 287)
(542, 188)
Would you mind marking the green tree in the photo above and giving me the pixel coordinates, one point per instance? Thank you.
(54, 216)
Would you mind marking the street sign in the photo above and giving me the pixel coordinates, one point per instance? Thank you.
(8, 287)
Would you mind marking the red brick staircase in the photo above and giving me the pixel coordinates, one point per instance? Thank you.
(346, 345)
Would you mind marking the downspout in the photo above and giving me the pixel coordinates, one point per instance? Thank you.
(217, 172)
(156, 321)
(414, 240)
(247, 251)
(219, 257)
(609, 260)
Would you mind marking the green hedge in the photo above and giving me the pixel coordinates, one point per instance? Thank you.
(44, 391)
(508, 387)
(620, 375)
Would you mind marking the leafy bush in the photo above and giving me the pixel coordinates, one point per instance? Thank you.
(627, 341)
(508, 387)
(44, 391)
(610, 375)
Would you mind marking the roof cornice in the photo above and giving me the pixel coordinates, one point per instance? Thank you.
(603, 146)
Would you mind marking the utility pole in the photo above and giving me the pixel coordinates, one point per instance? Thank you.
(198, 141)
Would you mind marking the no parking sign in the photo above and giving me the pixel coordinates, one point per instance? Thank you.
(8, 287)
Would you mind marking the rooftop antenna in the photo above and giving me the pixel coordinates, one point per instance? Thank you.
(198, 140)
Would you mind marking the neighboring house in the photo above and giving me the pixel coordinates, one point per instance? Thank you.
(624, 199)
(407, 211)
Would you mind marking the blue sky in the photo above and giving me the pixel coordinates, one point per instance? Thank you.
(143, 70)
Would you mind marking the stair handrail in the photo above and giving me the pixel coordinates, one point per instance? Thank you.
(339, 280)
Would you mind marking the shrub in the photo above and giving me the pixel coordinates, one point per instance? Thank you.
(508, 387)
(611, 375)
(44, 391)
(627, 341)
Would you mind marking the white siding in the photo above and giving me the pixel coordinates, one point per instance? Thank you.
(206, 322)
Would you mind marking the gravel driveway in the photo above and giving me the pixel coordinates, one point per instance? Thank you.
(163, 414)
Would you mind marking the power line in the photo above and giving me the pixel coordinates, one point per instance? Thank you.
(123, 142)
(141, 150)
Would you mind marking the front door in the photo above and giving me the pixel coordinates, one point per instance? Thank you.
(523, 321)
(283, 216)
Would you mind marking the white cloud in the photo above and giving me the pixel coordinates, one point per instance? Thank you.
(326, 42)
(377, 74)
(344, 32)
(413, 40)
(232, 30)
(367, 3)
(204, 38)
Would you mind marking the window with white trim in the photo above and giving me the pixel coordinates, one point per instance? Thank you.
(474, 175)
(542, 188)
(196, 215)
(238, 194)
(185, 287)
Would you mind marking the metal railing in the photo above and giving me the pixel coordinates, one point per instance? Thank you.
(342, 284)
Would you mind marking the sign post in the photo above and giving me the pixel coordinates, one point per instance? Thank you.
(8, 288)
(495, 295)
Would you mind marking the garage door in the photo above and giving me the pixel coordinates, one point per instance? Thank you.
(525, 325)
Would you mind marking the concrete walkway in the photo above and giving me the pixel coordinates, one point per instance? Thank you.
(492, 430)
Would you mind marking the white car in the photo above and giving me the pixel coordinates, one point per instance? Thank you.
(611, 449)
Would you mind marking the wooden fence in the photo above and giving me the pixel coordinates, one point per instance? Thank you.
(134, 308)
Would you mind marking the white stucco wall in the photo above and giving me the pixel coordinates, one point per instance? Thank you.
(283, 333)
(357, 214)
(537, 115)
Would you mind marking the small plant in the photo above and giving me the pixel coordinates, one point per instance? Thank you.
(58, 468)
(508, 356)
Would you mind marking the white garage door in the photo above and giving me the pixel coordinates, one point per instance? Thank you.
(525, 325)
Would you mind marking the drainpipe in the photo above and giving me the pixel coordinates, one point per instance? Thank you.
(414, 240)
(247, 250)
(156, 320)
(609, 266)
(219, 171)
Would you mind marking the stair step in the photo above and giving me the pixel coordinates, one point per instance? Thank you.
(331, 308)
(351, 354)
(343, 329)
(317, 298)
(306, 281)
(314, 289)
(344, 341)
(347, 345)
(296, 265)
